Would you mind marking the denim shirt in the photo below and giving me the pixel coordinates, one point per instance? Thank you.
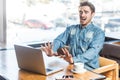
(84, 43)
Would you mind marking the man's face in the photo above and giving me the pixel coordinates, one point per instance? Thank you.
(85, 15)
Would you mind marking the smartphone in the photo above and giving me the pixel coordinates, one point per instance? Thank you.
(60, 51)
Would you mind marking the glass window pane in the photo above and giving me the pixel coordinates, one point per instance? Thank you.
(39, 20)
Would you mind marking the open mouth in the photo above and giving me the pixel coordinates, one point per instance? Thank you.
(82, 19)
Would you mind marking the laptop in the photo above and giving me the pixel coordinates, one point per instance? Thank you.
(34, 60)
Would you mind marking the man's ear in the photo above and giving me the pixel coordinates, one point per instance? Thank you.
(93, 14)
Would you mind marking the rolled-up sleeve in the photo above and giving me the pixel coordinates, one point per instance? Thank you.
(61, 40)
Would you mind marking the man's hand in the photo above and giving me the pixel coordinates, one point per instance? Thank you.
(47, 49)
(63, 54)
(66, 55)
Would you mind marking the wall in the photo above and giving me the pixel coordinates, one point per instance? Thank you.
(2, 21)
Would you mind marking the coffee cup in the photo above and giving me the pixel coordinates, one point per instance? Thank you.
(78, 66)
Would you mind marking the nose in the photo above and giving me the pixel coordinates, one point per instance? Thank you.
(82, 14)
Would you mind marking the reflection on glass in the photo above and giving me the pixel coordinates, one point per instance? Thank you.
(42, 20)
(27, 20)
(107, 16)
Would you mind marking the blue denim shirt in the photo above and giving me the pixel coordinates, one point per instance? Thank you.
(84, 43)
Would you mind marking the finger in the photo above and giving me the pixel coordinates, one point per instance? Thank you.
(55, 54)
(59, 51)
(46, 45)
(49, 45)
(62, 56)
(41, 46)
(64, 52)
(67, 52)
(44, 49)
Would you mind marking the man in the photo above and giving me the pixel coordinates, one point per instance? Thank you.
(85, 40)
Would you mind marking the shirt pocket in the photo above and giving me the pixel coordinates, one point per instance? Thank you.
(88, 37)
(85, 42)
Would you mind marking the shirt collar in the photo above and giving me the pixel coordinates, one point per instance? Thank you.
(87, 26)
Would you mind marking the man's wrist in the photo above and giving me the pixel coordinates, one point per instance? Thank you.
(71, 61)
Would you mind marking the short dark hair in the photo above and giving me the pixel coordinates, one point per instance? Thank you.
(86, 3)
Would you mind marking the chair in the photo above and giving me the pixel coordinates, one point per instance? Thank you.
(109, 68)
(111, 51)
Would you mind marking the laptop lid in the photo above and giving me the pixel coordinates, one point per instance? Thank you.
(32, 59)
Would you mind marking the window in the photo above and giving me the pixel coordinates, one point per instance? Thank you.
(42, 20)
(107, 16)
(39, 20)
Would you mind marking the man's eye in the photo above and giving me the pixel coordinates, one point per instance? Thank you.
(80, 12)
(86, 12)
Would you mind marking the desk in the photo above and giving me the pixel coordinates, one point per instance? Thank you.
(10, 70)
(23, 75)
